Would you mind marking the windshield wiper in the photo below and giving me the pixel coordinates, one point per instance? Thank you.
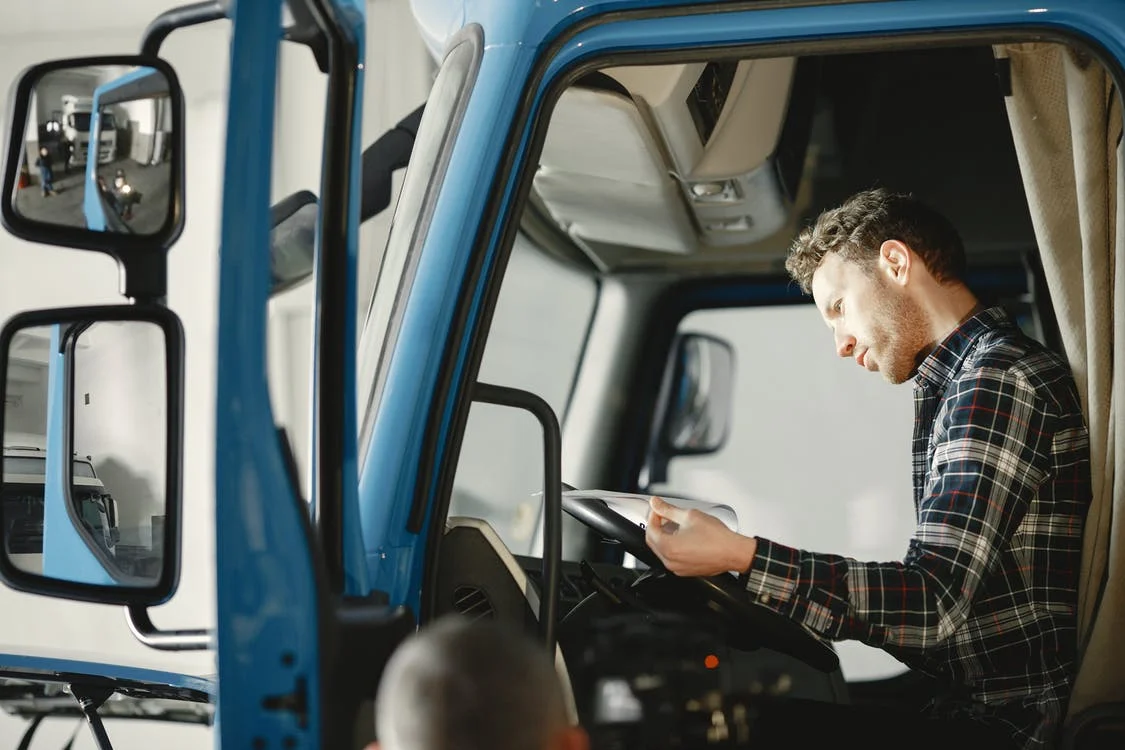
(90, 699)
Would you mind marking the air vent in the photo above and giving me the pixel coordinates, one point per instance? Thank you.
(473, 602)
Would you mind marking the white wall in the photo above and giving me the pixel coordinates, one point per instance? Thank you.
(121, 418)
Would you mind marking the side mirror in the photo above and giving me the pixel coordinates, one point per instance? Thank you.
(95, 159)
(697, 395)
(101, 524)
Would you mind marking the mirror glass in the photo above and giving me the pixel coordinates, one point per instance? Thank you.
(701, 394)
(292, 240)
(94, 395)
(98, 150)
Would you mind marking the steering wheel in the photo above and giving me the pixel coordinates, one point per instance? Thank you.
(777, 631)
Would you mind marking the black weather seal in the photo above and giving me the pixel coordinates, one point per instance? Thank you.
(140, 625)
(333, 290)
(552, 495)
(180, 18)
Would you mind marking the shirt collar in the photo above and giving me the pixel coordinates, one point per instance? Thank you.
(941, 365)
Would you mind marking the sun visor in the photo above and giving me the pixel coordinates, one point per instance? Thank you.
(603, 179)
(674, 158)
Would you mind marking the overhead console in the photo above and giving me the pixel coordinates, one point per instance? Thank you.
(675, 158)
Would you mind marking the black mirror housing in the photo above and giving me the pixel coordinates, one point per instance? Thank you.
(118, 121)
(106, 528)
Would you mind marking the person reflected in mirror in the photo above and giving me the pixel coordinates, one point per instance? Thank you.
(64, 154)
(125, 197)
(46, 172)
(109, 197)
(985, 599)
(461, 684)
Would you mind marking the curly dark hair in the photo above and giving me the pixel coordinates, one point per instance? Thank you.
(856, 229)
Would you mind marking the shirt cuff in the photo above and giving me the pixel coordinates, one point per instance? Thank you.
(773, 574)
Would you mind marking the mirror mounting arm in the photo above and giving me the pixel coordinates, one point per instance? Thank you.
(90, 699)
(145, 279)
(140, 625)
(179, 18)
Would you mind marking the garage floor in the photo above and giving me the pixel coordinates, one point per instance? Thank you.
(65, 207)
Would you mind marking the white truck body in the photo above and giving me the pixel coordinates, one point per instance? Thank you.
(24, 468)
(77, 112)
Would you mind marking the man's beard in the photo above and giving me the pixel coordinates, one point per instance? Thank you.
(900, 337)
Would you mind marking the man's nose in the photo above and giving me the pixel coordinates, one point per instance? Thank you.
(845, 345)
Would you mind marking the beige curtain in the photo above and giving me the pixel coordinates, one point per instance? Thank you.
(1065, 115)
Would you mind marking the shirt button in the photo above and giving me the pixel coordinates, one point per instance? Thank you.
(764, 598)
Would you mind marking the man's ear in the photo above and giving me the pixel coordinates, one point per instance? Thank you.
(896, 261)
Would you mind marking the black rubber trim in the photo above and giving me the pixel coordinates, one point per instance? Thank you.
(334, 289)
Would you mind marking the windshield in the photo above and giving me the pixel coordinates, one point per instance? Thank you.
(80, 121)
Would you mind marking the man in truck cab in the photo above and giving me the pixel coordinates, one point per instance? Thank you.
(985, 599)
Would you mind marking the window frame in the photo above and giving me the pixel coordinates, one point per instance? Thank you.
(376, 346)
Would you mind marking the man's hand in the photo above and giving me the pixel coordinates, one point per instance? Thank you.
(693, 543)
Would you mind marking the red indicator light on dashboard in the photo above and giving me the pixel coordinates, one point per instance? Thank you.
(711, 661)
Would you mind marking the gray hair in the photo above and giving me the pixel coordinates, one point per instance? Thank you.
(468, 685)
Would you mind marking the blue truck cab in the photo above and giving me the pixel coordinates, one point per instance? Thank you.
(592, 227)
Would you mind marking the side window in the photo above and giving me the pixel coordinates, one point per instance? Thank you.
(536, 341)
(818, 452)
(447, 100)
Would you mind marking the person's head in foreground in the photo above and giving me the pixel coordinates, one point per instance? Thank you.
(459, 684)
(887, 274)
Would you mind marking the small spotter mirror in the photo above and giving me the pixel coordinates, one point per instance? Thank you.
(694, 406)
(701, 395)
(95, 155)
(292, 240)
(91, 423)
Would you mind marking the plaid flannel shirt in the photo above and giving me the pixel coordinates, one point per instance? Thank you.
(985, 598)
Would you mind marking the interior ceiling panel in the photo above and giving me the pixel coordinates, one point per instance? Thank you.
(929, 122)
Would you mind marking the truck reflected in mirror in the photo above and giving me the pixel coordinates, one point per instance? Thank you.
(86, 430)
(98, 150)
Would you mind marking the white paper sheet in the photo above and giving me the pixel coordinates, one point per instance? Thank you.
(635, 507)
